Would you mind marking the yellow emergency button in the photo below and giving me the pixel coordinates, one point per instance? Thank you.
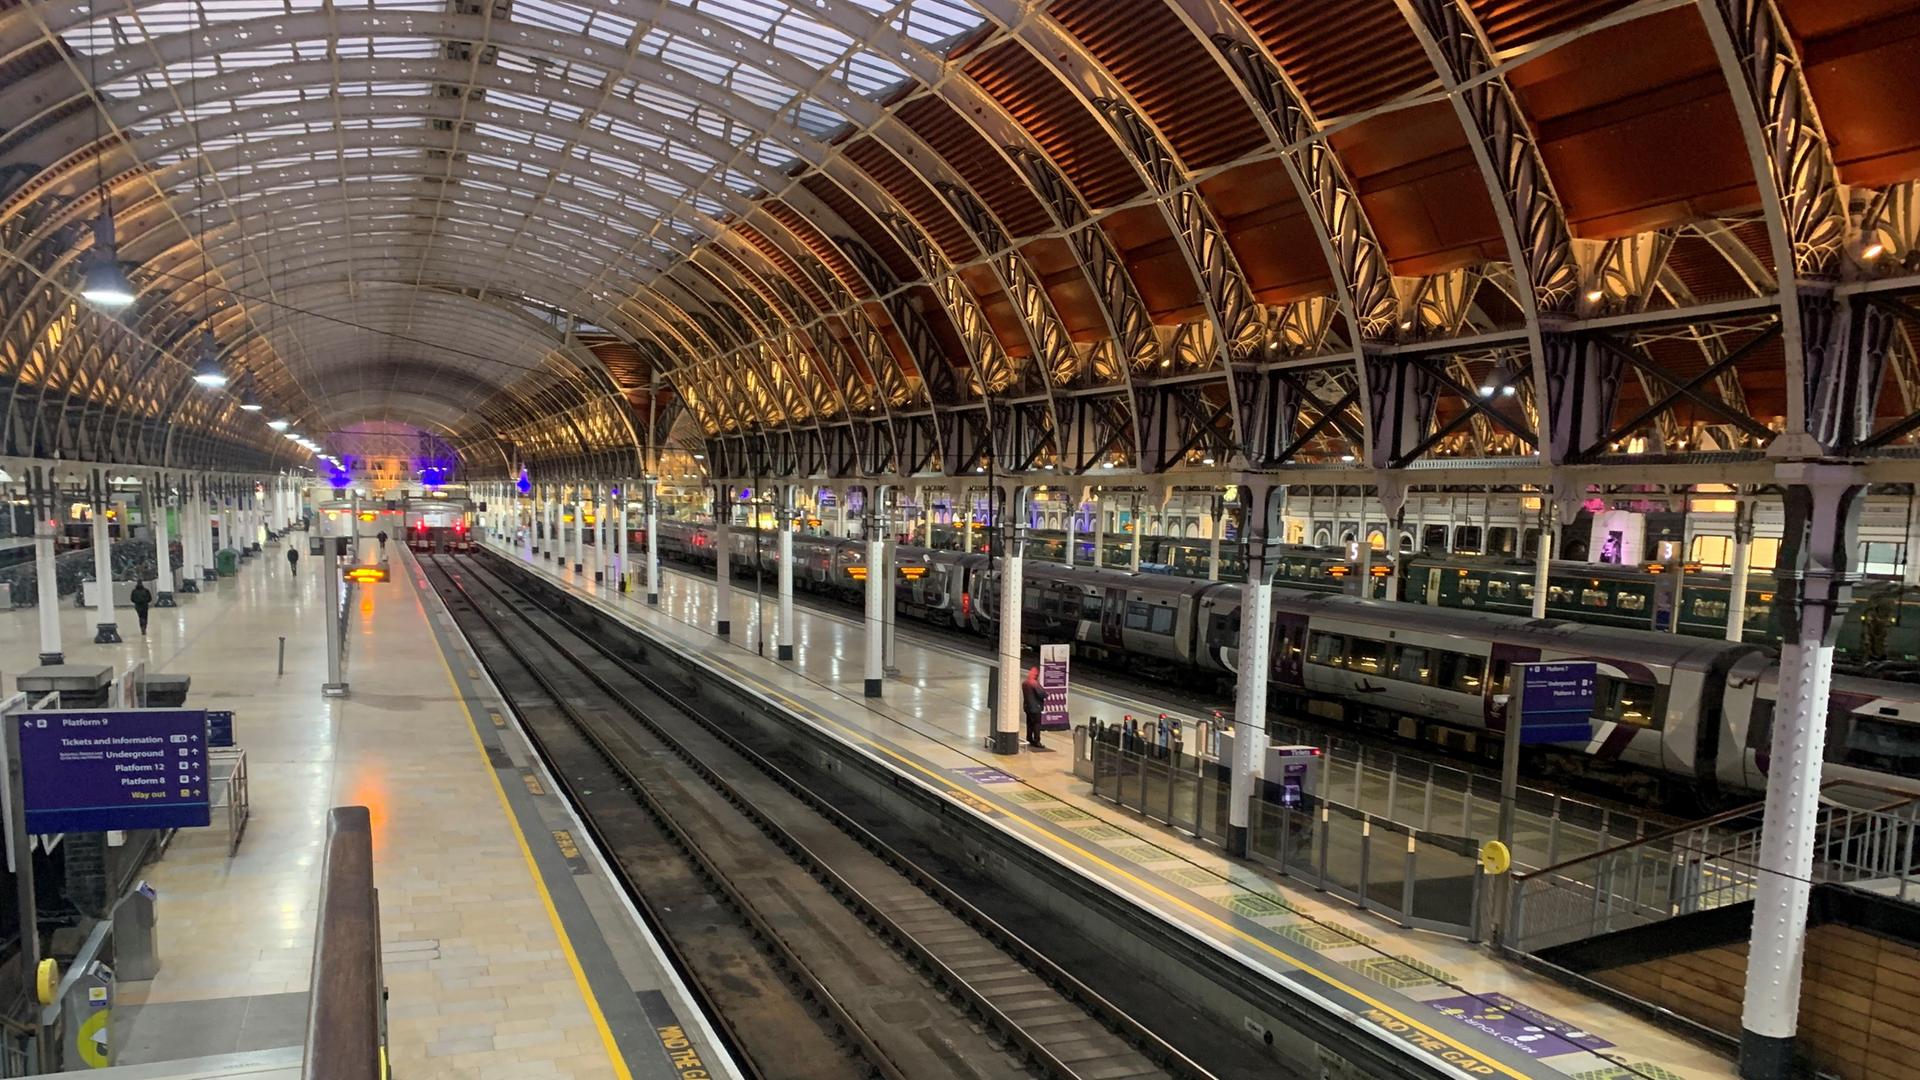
(1495, 858)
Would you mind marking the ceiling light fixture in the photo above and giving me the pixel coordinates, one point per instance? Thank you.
(1595, 295)
(105, 284)
(279, 425)
(207, 371)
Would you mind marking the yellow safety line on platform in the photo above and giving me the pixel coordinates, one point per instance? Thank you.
(1119, 871)
(607, 1040)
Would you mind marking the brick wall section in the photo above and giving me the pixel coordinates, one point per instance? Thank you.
(1859, 1003)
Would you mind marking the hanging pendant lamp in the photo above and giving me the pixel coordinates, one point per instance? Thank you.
(105, 284)
(207, 371)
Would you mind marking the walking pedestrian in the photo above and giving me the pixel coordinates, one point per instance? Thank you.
(293, 559)
(142, 599)
(1032, 700)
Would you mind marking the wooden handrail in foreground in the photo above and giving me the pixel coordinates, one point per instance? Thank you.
(345, 1028)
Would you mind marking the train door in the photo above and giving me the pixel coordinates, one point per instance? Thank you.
(1290, 650)
(1433, 587)
(1499, 681)
(1112, 617)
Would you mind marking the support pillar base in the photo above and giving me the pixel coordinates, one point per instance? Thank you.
(48, 659)
(653, 598)
(1237, 841)
(164, 599)
(1004, 742)
(106, 633)
(724, 628)
(873, 687)
(598, 577)
(784, 652)
(579, 567)
(1765, 1057)
(333, 689)
(209, 575)
(188, 585)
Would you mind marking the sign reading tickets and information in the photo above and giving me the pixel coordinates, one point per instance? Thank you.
(1557, 700)
(1054, 662)
(94, 770)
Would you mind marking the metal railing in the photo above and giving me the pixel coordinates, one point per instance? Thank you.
(1417, 877)
(1417, 792)
(347, 1010)
(1866, 836)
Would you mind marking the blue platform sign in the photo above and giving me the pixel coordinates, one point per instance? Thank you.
(93, 770)
(1557, 701)
(219, 727)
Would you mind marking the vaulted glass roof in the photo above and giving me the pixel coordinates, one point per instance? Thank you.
(559, 150)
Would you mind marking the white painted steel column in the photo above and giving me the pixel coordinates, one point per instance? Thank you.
(1139, 531)
(228, 529)
(625, 500)
(723, 562)
(653, 540)
(1542, 566)
(1011, 556)
(875, 597)
(1099, 528)
(537, 526)
(579, 529)
(162, 547)
(1072, 528)
(1822, 501)
(602, 499)
(209, 561)
(189, 537)
(46, 525)
(966, 530)
(1213, 544)
(1742, 568)
(783, 625)
(106, 631)
(1253, 660)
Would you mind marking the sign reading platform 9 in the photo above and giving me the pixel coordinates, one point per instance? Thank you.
(92, 770)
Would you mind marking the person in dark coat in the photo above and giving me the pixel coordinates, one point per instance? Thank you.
(293, 559)
(1032, 700)
(142, 599)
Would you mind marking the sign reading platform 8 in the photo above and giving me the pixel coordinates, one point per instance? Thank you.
(1557, 699)
(92, 770)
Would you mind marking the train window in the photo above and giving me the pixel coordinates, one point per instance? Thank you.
(1559, 595)
(1709, 609)
(1470, 586)
(1368, 655)
(1882, 557)
(1460, 673)
(1499, 677)
(1594, 598)
(1330, 649)
(1498, 589)
(1883, 745)
(1091, 607)
(1760, 726)
(1759, 613)
(1526, 590)
(1410, 664)
(1138, 616)
(1713, 552)
(1626, 702)
(1628, 601)
(1162, 621)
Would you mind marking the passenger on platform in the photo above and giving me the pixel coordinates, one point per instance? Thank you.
(293, 559)
(382, 537)
(141, 598)
(1032, 699)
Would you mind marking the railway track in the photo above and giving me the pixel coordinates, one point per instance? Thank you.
(818, 950)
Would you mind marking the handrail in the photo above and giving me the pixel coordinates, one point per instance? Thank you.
(346, 1011)
(1694, 826)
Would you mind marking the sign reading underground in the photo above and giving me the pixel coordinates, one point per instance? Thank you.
(94, 770)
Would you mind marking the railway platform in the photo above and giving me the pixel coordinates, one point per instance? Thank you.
(506, 950)
(1434, 994)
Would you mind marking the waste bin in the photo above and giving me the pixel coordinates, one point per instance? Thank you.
(226, 562)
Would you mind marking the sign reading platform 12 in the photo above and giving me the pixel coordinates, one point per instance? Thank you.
(92, 770)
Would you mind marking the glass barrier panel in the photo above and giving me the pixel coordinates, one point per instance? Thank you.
(1443, 890)
(1343, 847)
(1154, 788)
(1386, 867)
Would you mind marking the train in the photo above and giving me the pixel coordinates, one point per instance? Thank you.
(1695, 711)
(1881, 632)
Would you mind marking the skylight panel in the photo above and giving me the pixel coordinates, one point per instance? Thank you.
(816, 119)
(813, 42)
(611, 28)
(761, 89)
(553, 15)
(869, 73)
(937, 21)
